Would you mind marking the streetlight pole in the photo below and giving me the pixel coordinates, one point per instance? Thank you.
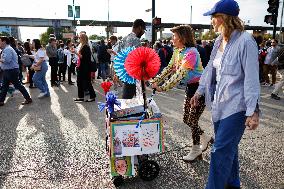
(107, 19)
(153, 26)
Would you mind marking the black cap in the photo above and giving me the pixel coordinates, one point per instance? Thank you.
(139, 22)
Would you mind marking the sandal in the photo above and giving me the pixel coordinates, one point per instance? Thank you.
(78, 99)
(90, 100)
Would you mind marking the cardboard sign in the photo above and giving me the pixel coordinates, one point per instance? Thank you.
(128, 140)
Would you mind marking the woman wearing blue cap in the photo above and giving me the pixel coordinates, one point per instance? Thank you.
(231, 86)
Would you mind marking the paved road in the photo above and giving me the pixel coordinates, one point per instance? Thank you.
(56, 143)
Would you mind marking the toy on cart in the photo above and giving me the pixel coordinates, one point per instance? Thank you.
(134, 127)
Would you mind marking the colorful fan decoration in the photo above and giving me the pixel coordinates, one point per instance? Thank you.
(106, 86)
(143, 63)
(119, 67)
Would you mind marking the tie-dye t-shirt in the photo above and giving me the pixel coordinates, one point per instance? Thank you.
(185, 66)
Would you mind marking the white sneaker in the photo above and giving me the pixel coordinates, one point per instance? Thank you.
(194, 154)
(205, 140)
(41, 95)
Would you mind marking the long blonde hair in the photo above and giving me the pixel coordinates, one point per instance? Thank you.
(84, 40)
(230, 23)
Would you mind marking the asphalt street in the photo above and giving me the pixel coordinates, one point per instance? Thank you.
(55, 143)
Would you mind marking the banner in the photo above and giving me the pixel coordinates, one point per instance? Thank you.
(77, 11)
(70, 11)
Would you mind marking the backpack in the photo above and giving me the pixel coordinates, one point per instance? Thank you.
(60, 56)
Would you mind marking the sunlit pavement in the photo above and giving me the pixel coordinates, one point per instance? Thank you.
(56, 143)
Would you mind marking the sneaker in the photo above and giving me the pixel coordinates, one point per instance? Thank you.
(271, 85)
(41, 95)
(274, 96)
(27, 101)
(78, 99)
(205, 140)
(195, 153)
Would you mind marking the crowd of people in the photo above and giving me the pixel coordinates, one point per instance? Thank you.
(224, 75)
(270, 57)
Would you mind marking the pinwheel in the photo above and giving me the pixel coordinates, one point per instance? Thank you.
(119, 68)
(143, 63)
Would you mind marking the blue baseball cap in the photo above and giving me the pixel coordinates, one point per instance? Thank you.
(229, 7)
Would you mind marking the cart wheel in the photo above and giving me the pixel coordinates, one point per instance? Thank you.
(148, 170)
(118, 181)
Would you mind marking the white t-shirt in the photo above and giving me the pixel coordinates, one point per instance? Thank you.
(217, 64)
(68, 54)
(40, 54)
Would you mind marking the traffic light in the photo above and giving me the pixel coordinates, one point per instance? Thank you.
(157, 22)
(270, 19)
(273, 6)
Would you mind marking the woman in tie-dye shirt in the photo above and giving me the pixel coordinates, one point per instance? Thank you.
(186, 66)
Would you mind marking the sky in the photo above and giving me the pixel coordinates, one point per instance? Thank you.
(177, 11)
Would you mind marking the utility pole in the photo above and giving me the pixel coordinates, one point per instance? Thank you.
(74, 23)
(191, 14)
(275, 25)
(153, 26)
(281, 36)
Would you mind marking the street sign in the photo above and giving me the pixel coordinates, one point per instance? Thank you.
(77, 11)
(70, 11)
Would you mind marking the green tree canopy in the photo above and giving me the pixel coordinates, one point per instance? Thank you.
(50, 30)
(4, 34)
(210, 35)
(96, 37)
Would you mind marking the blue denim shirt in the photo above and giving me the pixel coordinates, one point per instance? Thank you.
(239, 88)
(10, 58)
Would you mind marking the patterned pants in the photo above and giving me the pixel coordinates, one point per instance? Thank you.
(191, 117)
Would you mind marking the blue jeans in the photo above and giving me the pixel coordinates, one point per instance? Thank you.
(224, 164)
(104, 69)
(39, 79)
(12, 76)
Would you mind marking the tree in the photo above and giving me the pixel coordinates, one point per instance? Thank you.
(96, 37)
(50, 30)
(267, 36)
(4, 34)
(210, 35)
(45, 36)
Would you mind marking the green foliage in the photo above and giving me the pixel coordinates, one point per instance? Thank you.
(4, 34)
(210, 35)
(96, 37)
(267, 36)
(45, 36)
